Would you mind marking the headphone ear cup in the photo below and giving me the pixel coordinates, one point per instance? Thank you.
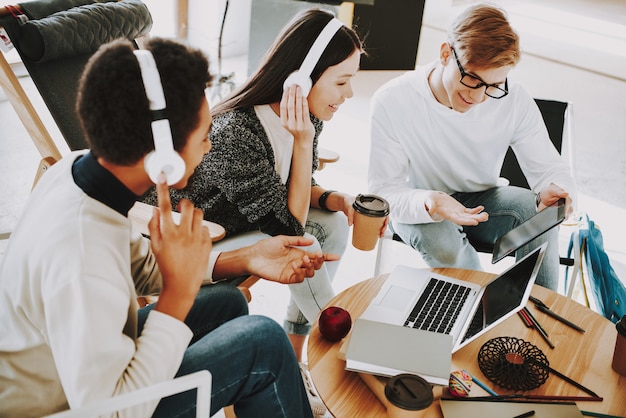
(301, 79)
(168, 162)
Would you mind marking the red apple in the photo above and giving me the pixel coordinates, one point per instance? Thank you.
(334, 323)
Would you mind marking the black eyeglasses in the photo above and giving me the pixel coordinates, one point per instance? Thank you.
(473, 82)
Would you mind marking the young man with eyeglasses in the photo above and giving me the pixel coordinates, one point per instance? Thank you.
(439, 135)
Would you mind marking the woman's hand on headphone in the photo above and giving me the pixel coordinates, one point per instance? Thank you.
(294, 115)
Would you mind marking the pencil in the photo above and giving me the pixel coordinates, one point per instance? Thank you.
(481, 384)
(539, 328)
(525, 414)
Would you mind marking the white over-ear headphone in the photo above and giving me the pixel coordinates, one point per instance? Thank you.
(164, 159)
(302, 77)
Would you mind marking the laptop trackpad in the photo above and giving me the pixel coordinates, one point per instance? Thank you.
(397, 298)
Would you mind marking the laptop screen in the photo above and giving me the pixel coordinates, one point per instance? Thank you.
(506, 294)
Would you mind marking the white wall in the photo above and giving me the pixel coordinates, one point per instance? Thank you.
(204, 22)
(205, 19)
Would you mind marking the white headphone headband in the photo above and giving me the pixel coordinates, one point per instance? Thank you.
(151, 79)
(164, 159)
(320, 44)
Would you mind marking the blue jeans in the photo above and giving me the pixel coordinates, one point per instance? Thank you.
(329, 230)
(251, 361)
(445, 244)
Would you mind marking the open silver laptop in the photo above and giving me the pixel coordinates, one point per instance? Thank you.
(448, 313)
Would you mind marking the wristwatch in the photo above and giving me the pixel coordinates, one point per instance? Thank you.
(322, 200)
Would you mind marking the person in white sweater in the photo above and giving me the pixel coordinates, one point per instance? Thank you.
(439, 135)
(71, 332)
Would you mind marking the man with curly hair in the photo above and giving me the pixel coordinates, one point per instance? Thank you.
(71, 331)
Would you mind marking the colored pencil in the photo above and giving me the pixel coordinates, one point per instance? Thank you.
(539, 328)
(481, 384)
(535, 322)
(525, 319)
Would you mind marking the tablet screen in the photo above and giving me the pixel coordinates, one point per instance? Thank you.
(529, 230)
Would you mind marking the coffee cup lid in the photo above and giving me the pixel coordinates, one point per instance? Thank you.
(621, 326)
(371, 205)
(409, 391)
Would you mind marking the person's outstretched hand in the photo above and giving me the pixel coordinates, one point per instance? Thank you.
(277, 259)
(181, 251)
(443, 206)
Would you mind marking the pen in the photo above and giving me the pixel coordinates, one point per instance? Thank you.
(558, 317)
(481, 384)
(525, 414)
(540, 329)
(538, 301)
(597, 414)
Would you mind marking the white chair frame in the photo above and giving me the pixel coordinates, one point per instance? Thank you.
(199, 380)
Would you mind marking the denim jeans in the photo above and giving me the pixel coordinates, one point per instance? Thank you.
(445, 244)
(251, 361)
(329, 230)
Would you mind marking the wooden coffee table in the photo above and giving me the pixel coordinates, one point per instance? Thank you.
(584, 357)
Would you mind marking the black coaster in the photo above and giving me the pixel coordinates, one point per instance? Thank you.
(513, 363)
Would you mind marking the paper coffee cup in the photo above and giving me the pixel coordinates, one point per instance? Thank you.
(370, 212)
(619, 355)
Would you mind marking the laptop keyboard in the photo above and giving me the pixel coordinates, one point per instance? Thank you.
(438, 307)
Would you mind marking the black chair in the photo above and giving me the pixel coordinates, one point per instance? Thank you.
(56, 38)
(557, 117)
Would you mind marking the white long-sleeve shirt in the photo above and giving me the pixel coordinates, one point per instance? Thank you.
(68, 327)
(419, 145)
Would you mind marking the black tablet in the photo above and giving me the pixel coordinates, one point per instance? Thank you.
(529, 230)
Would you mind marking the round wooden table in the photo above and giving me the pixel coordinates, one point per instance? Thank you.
(583, 357)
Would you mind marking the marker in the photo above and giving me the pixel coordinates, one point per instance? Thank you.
(481, 384)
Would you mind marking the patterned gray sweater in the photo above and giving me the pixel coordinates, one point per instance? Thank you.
(236, 184)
